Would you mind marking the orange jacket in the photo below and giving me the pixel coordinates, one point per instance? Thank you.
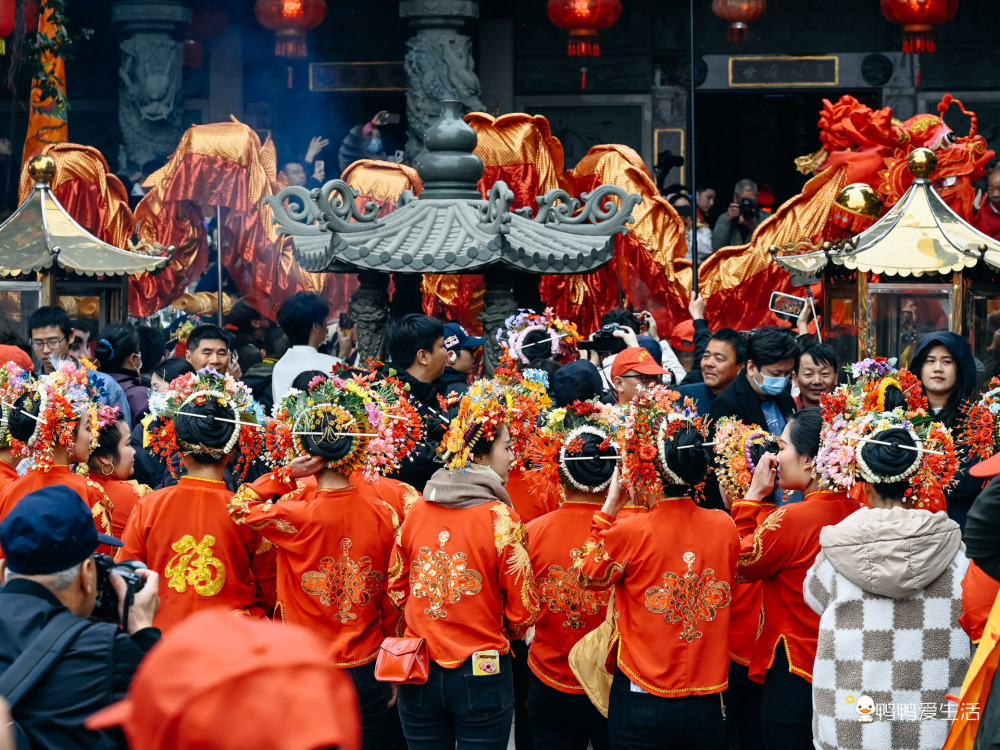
(979, 592)
(120, 498)
(185, 534)
(673, 570)
(778, 548)
(8, 473)
(466, 582)
(528, 504)
(398, 495)
(334, 552)
(748, 603)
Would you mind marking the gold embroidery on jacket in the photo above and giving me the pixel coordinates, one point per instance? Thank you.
(689, 599)
(102, 508)
(442, 578)
(343, 582)
(195, 565)
(771, 523)
(562, 591)
(510, 533)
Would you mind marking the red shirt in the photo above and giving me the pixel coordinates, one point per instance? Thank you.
(779, 552)
(466, 581)
(185, 534)
(568, 611)
(528, 503)
(987, 220)
(399, 496)
(334, 553)
(673, 572)
(120, 498)
(748, 602)
(979, 593)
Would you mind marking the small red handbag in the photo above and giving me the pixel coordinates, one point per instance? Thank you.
(403, 661)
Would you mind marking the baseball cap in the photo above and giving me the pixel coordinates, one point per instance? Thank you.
(635, 358)
(456, 337)
(576, 381)
(50, 530)
(682, 337)
(10, 353)
(277, 678)
(987, 468)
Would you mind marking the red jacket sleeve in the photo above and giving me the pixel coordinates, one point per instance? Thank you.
(517, 581)
(606, 553)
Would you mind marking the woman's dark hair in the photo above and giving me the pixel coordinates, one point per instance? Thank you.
(548, 366)
(107, 443)
(894, 398)
(760, 447)
(20, 425)
(591, 473)
(690, 464)
(152, 344)
(115, 344)
(536, 344)
(211, 433)
(950, 413)
(171, 368)
(803, 431)
(303, 379)
(330, 449)
(890, 460)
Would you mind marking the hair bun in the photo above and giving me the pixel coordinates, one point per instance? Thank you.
(211, 433)
(593, 475)
(684, 457)
(889, 463)
(20, 425)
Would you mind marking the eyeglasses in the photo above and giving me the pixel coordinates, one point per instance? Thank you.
(646, 379)
(39, 345)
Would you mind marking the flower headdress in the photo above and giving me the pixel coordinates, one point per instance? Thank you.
(560, 438)
(563, 335)
(13, 384)
(867, 394)
(645, 427)
(377, 419)
(981, 426)
(480, 415)
(56, 402)
(839, 462)
(194, 389)
(735, 446)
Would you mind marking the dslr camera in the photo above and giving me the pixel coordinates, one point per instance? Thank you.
(604, 340)
(106, 606)
(748, 209)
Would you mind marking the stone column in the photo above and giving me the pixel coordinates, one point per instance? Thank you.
(439, 64)
(151, 91)
(498, 305)
(370, 310)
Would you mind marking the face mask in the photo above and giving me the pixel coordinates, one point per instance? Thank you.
(375, 145)
(773, 385)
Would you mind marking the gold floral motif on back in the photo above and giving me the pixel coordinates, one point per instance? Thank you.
(442, 578)
(689, 599)
(343, 582)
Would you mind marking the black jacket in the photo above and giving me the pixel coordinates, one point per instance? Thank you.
(741, 401)
(452, 381)
(94, 672)
(258, 380)
(418, 467)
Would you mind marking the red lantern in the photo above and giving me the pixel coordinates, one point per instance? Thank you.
(206, 22)
(583, 19)
(918, 19)
(290, 20)
(8, 16)
(738, 13)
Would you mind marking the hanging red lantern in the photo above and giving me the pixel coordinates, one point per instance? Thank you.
(918, 19)
(583, 19)
(290, 20)
(8, 15)
(206, 22)
(738, 13)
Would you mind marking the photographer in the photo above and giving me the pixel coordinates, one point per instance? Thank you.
(51, 585)
(743, 215)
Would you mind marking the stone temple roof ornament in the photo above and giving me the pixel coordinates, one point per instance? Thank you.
(450, 228)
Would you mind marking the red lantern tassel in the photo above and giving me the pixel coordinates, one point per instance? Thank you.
(918, 39)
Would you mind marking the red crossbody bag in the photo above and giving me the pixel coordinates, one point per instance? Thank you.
(403, 661)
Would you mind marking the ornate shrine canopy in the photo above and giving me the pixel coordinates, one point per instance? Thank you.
(450, 228)
(919, 235)
(40, 232)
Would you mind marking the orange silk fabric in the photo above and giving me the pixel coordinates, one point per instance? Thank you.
(46, 119)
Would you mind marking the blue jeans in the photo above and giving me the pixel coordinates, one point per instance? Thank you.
(640, 721)
(455, 706)
(373, 703)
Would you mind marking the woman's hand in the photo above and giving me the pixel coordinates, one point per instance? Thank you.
(305, 466)
(762, 484)
(616, 498)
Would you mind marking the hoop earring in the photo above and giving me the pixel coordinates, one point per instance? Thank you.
(105, 471)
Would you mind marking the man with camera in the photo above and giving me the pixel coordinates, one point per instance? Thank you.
(743, 215)
(56, 667)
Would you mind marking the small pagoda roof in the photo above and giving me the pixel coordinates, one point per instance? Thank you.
(920, 235)
(450, 228)
(41, 233)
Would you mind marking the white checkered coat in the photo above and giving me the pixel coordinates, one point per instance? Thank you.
(903, 653)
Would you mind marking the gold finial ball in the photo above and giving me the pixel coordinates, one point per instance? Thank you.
(42, 168)
(860, 199)
(922, 162)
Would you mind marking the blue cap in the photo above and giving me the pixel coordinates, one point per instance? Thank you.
(456, 337)
(576, 381)
(50, 530)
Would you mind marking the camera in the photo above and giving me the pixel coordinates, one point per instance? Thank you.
(748, 209)
(604, 340)
(106, 606)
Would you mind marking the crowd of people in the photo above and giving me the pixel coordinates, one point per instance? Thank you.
(708, 539)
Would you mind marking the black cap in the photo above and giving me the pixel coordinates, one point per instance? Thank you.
(576, 381)
(50, 530)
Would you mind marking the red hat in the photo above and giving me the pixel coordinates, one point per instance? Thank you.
(682, 337)
(274, 682)
(638, 359)
(987, 468)
(17, 356)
